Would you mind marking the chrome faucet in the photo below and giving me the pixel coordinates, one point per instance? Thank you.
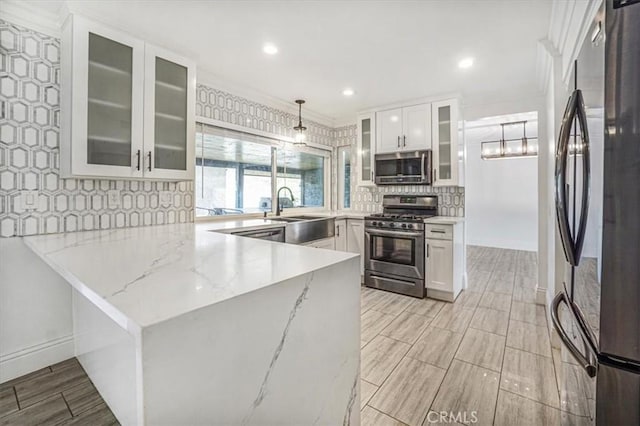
(278, 209)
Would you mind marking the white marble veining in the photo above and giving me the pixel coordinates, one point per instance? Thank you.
(142, 276)
(199, 326)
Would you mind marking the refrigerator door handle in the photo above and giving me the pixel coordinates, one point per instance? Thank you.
(588, 362)
(572, 240)
(586, 175)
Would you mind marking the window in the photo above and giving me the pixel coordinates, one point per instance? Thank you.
(303, 173)
(344, 177)
(234, 173)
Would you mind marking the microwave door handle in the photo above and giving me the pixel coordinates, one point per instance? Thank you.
(422, 174)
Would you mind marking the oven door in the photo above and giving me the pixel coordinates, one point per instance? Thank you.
(399, 253)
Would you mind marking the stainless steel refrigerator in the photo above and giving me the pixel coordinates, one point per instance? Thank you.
(598, 317)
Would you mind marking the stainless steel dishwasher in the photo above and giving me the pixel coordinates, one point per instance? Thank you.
(271, 234)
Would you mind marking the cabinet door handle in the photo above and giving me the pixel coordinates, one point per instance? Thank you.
(427, 250)
(404, 141)
(138, 160)
(398, 141)
(338, 228)
(149, 155)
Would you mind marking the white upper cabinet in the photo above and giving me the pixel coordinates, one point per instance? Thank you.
(169, 122)
(115, 122)
(366, 149)
(445, 143)
(416, 122)
(389, 130)
(404, 129)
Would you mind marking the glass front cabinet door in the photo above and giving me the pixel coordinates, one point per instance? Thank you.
(366, 149)
(169, 107)
(126, 109)
(445, 143)
(101, 101)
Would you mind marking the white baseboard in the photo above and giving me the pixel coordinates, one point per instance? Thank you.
(35, 357)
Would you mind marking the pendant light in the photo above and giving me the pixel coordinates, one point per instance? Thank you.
(510, 148)
(300, 129)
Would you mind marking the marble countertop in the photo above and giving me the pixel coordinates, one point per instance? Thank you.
(444, 220)
(142, 276)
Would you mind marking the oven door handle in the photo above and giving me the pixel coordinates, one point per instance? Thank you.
(401, 234)
(389, 279)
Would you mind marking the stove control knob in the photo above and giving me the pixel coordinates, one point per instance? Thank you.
(391, 225)
(409, 226)
(404, 225)
(374, 223)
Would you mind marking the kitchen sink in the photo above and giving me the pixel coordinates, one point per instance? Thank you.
(308, 228)
(285, 219)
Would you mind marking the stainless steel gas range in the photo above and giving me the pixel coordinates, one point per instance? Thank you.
(395, 244)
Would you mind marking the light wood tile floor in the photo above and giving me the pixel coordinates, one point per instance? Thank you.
(487, 357)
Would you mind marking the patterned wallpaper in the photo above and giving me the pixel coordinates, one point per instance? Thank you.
(369, 199)
(29, 154)
(223, 106)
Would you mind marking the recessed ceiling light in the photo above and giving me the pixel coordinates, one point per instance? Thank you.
(348, 92)
(465, 63)
(270, 49)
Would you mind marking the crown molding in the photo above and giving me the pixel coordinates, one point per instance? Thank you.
(348, 120)
(584, 25)
(545, 55)
(413, 101)
(28, 15)
(214, 81)
(569, 25)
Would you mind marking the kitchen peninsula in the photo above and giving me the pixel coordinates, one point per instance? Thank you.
(179, 325)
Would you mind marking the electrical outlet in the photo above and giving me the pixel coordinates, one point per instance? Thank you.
(166, 198)
(29, 200)
(113, 198)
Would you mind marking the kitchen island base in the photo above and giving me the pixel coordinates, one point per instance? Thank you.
(283, 354)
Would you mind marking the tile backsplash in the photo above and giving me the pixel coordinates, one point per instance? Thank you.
(369, 199)
(30, 160)
(29, 152)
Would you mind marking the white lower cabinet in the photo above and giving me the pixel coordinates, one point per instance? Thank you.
(326, 243)
(445, 259)
(341, 234)
(355, 239)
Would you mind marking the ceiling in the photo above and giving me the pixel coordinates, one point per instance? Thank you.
(387, 51)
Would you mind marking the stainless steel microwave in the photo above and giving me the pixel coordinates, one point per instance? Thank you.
(403, 168)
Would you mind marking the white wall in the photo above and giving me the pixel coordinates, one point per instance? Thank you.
(501, 195)
(36, 327)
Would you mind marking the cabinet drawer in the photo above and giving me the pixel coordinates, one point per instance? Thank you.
(439, 232)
